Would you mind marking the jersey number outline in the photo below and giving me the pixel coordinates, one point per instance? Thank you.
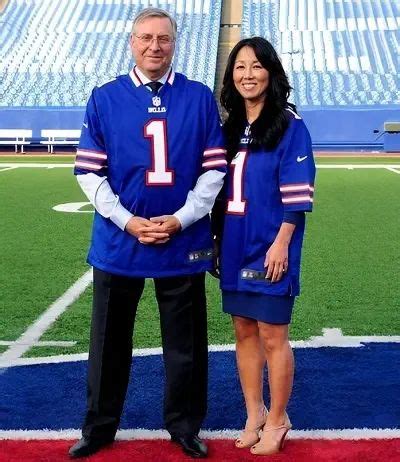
(159, 174)
(237, 204)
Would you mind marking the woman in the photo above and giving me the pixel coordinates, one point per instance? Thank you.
(268, 189)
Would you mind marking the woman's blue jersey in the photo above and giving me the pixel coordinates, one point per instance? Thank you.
(260, 187)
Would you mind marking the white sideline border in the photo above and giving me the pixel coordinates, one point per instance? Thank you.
(34, 165)
(330, 338)
(361, 166)
(333, 166)
(142, 434)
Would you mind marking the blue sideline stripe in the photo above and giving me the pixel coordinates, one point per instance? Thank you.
(335, 388)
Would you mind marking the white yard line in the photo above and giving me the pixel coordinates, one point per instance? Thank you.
(36, 330)
(41, 344)
(142, 434)
(393, 170)
(6, 168)
(330, 338)
(33, 165)
(354, 166)
(333, 166)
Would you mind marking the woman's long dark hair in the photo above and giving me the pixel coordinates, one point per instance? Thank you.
(268, 129)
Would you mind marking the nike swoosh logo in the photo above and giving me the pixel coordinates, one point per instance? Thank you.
(85, 125)
(300, 159)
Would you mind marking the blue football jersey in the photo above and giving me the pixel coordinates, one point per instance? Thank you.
(259, 188)
(152, 148)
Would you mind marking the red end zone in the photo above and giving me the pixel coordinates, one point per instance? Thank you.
(219, 450)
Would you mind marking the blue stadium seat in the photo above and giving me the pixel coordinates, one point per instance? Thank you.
(77, 44)
(328, 47)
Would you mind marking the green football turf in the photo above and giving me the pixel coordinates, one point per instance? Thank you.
(26, 158)
(386, 159)
(350, 261)
(351, 255)
(42, 251)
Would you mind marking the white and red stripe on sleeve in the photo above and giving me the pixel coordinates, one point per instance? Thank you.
(90, 159)
(214, 158)
(297, 193)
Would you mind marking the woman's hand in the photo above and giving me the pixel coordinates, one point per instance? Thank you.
(276, 261)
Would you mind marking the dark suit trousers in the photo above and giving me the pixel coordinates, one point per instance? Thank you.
(183, 319)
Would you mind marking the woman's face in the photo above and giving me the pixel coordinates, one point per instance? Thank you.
(250, 78)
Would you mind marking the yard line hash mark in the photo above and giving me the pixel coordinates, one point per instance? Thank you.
(31, 336)
(393, 170)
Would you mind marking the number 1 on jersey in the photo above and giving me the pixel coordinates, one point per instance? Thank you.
(159, 174)
(237, 205)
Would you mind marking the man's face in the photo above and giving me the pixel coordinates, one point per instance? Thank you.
(153, 57)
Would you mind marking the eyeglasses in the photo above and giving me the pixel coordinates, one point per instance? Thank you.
(147, 39)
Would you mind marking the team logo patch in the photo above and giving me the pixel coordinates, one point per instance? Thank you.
(156, 101)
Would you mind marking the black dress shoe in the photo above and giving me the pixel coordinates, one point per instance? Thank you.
(85, 447)
(191, 445)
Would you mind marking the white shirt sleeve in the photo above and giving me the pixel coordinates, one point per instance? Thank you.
(200, 201)
(98, 190)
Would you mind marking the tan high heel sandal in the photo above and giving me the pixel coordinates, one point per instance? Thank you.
(250, 436)
(272, 439)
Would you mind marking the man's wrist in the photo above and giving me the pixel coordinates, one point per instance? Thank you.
(120, 216)
(183, 221)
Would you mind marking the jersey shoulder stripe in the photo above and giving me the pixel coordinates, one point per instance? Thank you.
(294, 115)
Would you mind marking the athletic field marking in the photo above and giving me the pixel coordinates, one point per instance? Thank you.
(32, 165)
(7, 168)
(330, 338)
(41, 344)
(354, 166)
(72, 207)
(393, 170)
(333, 166)
(45, 320)
(141, 434)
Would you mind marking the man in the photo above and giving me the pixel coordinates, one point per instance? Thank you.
(151, 160)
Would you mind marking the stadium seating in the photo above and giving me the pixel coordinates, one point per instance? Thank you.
(53, 53)
(342, 58)
(336, 52)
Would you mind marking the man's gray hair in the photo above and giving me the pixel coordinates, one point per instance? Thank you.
(154, 13)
